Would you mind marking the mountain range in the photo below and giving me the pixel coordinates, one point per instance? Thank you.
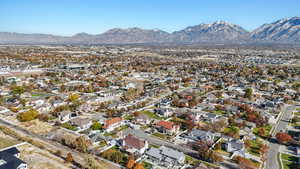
(285, 30)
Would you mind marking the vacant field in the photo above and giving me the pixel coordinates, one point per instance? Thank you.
(7, 141)
(40, 159)
(35, 126)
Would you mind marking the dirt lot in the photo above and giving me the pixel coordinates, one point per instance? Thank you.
(7, 141)
(40, 159)
(35, 126)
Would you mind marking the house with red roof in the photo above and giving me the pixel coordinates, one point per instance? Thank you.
(134, 145)
(167, 127)
(112, 124)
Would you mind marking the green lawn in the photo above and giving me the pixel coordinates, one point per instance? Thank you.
(266, 127)
(68, 126)
(191, 160)
(112, 134)
(144, 127)
(147, 165)
(219, 112)
(160, 135)
(254, 147)
(121, 128)
(129, 117)
(289, 161)
(152, 115)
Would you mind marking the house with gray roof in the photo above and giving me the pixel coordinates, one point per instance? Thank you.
(201, 135)
(165, 156)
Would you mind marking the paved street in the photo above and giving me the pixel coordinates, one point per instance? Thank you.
(272, 158)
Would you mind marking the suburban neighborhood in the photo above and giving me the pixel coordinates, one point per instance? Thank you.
(141, 107)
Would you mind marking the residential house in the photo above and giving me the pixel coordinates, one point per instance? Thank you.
(112, 124)
(81, 123)
(65, 116)
(9, 159)
(164, 112)
(201, 135)
(96, 138)
(165, 156)
(211, 117)
(143, 119)
(236, 147)
(167, 127)
(134, 145)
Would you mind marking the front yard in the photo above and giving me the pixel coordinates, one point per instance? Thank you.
(160, 135)
(289, 161)
(115, 155)
(266, 128)
(151, 115)
(254, 147)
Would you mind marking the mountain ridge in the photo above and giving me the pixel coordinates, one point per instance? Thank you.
(286, 30)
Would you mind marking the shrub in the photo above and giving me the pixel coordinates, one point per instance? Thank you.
(28, 115)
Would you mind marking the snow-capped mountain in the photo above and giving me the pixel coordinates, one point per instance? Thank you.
(282, 31)
(287, 30)
(219, 31)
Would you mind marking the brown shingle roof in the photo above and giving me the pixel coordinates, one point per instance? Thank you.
(133, 142)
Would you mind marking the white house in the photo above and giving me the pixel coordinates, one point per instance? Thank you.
(134, 145)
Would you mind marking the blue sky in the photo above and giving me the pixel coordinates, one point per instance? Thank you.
(67, 17)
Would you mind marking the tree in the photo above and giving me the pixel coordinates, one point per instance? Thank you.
(17, 90)
(28, 115)
(263, 149)
(136, 114)
(96, 126)
(248, 93)
(251, 117)
(69, 158)
(139, 166)
(82, 144)
(247, 143)
(92, 163)
(203, 150)
(216, 158)
(244, 163)
(218, 146)
(261, 131)
(131, 162)
(283, 137)
(117, 156)
(73, 97)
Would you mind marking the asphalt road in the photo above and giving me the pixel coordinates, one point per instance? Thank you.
(272, 158)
